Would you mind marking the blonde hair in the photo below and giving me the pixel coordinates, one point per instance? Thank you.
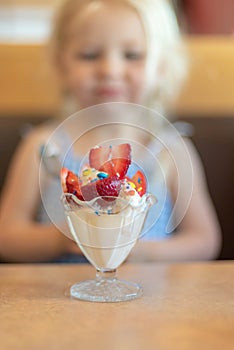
(163, 40)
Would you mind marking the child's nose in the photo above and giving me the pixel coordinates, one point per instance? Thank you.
(111, 66)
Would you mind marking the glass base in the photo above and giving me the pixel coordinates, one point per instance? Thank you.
(106, 290)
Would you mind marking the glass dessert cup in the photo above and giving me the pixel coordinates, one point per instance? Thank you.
(106, 229)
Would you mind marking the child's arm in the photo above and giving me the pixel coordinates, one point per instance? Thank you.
(21, 238)
(198, 236)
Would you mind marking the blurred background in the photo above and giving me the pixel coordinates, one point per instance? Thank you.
(29, 93)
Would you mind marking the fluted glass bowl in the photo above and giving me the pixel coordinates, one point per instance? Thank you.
(106, 229)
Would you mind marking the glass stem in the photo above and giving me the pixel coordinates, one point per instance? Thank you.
(105, 274)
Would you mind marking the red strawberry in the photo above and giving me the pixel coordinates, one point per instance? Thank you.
(89, 191)
(139, 180)
(109, 186)
(112, 160)
(121, 151)
(98, 156)
(72, 184)
(117, 166)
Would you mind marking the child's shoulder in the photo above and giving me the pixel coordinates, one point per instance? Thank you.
(176, 153)
(185, 151)
(33, 139)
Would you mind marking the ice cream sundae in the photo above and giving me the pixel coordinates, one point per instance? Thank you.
(106, 211)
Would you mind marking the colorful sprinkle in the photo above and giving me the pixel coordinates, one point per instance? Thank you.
(102, 175)
(131, 184)
(86, 172)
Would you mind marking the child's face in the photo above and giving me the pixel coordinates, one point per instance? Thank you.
(104, 58)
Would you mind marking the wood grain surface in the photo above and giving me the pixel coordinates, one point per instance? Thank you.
(184, 306)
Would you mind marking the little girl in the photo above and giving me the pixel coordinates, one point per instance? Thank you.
(110, 51)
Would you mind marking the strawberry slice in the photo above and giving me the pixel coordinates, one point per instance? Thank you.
(140, 182)
(98, 156)
(109, 186)
(112, 160)
(121, 151)
(89, 191)
(70, 183)
(117, 166)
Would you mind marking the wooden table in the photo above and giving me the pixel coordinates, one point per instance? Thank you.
(185, 306)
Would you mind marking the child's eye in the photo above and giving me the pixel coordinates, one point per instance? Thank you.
(131, 55)
(89, 56)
